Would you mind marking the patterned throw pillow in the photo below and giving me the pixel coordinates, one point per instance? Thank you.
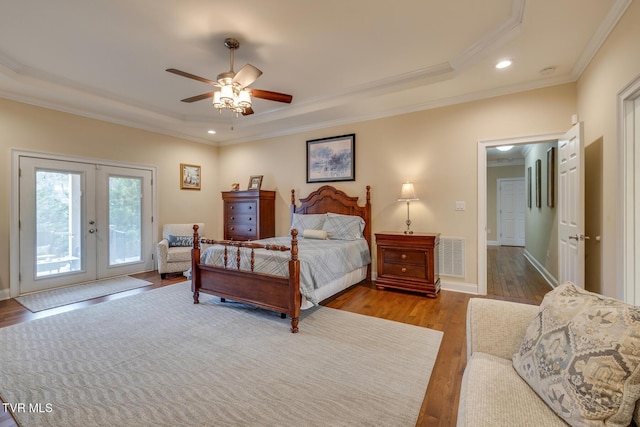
(180, 241)
(581, 355)
(344, 227)
(303, 222)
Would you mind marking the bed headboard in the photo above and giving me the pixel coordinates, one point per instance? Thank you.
(330, 199)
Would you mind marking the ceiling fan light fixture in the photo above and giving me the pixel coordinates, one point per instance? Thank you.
(244, 98)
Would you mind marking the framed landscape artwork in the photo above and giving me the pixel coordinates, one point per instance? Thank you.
(331, 159)
(189, 177)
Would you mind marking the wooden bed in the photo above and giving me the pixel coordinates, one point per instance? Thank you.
(277, 293)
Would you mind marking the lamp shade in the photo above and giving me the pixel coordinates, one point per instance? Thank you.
(407, 193)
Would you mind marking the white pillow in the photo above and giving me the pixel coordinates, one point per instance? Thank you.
(315, 234)
(344, 227)
(307, 222)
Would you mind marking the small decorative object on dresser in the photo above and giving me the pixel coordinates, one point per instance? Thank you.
(249, 215)
(408, 261)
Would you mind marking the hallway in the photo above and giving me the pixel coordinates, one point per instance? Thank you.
(511, 277)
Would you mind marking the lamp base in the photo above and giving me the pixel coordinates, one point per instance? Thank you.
(408, 231)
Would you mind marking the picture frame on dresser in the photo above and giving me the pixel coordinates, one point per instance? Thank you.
(190, 177)
(331, 159)
(255, 182)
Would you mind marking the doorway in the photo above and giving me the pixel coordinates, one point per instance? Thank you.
(482, 195)
(79, 221)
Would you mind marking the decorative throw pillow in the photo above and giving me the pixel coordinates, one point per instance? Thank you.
(303, 222)
(315, 234)
(180, 241)
(581, 355)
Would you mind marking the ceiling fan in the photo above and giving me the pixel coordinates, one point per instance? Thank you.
(234, 93)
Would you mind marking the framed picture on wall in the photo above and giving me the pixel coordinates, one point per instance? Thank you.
(189, 177)
(551, 177)
(332, 159)
(529, 187)
(538, 183)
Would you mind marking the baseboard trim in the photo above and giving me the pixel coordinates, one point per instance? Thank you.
(467, 288)
(548, 277)
(5, 294)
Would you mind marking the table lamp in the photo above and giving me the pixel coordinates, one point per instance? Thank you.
(407, 194)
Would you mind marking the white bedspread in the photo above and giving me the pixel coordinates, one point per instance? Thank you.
(321, 261)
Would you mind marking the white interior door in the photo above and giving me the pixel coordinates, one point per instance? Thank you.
(571, 206)
(511, 210)
(80, 222)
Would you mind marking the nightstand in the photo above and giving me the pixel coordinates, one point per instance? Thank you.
(408, 261)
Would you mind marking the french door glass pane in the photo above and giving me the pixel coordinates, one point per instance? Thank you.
(125, 220)
(58, 223)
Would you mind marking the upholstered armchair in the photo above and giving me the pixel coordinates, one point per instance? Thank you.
(174, 250)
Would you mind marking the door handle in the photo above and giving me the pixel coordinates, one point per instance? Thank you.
(579, 237)
(92, 230)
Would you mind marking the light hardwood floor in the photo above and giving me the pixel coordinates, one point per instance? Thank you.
(510, 277)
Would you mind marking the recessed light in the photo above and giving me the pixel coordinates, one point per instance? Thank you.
(211, 132)
(505, 147)
(503, 64)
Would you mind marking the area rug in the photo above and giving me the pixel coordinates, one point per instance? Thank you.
(63, 296)
(157, 359)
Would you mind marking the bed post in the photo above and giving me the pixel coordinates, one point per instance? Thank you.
(292, 207)
(195, 271)
(294, 282)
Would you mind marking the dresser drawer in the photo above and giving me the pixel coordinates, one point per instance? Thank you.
(405, 257)
(241, 219)
(241, 208)
(405, 270)
(241, 232)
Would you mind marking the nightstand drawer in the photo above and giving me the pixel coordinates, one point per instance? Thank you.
(405, 270)
(404, 257)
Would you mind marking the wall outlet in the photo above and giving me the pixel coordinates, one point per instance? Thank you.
(460, 206)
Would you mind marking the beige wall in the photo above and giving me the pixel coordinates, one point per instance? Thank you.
(615, 65)
(541, 227)
(493, 175)
(436, 149)
(26, 127)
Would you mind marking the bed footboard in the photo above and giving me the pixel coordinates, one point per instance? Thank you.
(281, 294)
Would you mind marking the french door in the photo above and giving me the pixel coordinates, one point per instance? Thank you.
(81, 222)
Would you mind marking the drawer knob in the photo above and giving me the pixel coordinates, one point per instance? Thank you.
(404, 269)
(250, 229)
(232, 207)
(250, 207)
(233, 228)
(233, 217)
(403, 256)
(250, 218)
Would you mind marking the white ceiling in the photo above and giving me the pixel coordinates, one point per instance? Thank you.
(342, 60)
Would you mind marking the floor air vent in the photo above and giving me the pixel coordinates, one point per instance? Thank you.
(451, 257)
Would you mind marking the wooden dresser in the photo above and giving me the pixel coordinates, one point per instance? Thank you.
(249, 215)
(408, 261)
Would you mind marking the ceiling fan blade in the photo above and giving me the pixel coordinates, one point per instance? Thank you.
(247, 111)
(198, 97)
(271, 96)
(191, 76)
(247, 75)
